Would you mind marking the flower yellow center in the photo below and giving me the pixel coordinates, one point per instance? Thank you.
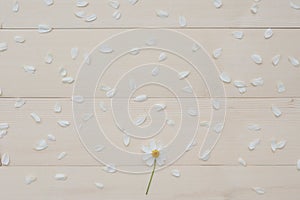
(155, 153)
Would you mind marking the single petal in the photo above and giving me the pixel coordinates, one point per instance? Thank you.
(147, 156)
(146, 149)
(160, 161)
(152, 145)
(150, 161)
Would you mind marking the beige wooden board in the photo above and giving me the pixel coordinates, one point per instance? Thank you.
(235, 60)
(274, 13)
(196, 182)
(24, 132)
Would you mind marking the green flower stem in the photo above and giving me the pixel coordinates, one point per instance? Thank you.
(148, 187)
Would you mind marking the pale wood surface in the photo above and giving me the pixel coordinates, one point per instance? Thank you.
(221, 177)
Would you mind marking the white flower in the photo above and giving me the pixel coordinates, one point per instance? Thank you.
(154, 152)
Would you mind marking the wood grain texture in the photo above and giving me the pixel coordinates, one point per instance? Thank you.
(195, 183)
(235, 60)
(271, 13)
(24, 132)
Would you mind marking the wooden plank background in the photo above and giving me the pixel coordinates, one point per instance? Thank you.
(221, 177)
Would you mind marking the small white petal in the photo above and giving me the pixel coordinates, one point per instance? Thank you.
(4, 126)
(294, 61)
(102, 106)
(5, 159)
(91, 18)
(242, 162)
(81, 3)
(192, 112)
(57, 108)
(29, 69)
(225, 77)
(238, 34)
(126, 139)
(257, 81)
(111, 93)
(187, 89)
(35, 117)
(259, 190)
(216, 104)
(3, 133)
(268, 33)
(68, 80)
(99, 185)
(281, 144)
(159, 107)
(132, 2)
(105, 49)
(195, 47)
(183, 75)
(51, 137)
(141, 98)
(298, 164)
(146, 150)
(19, 103)
(19, 39)
(86, 58)
(242, 90)
(63, 123)
(155, 71)
(239, 84)
(218, 127)
(116, 15)
(3, 46)
(30, 179)
(132, 84)
(48, 58)
(275, 60)
(49, 2)
(254, 127)
(61, 155)
(63, 72)
(205, 155)
(294, 6)
(276, 111)
(80, 14)
(162, 13)
(16, 7)
(204, 124)
(150, 161)
(218, 3)
(175, 173)
(254, 8)
(280, 87)
(74, 52)
(257, 58)
(41, 145)
(162, 57)
(114, 4)
(217, 53)
(140, 120)
(182, 21)
(78, 99)
(98, 148)
(110, 168)
(170, 122)
(252, 145)
(60, 177)
(44, 28)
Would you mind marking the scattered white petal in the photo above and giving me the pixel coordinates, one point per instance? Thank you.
(217, 53)
(0, 91)
(86, 58)
(19, 39)
(111, 93)
(218, 127)
(74, 52)
(151, 42)
(252, 145)
(4, 126)
(114, 4)
(44, 28)
(238, 34)
(257, 81)
(63, 72)
(257, 58)
(254, 127)
(159, 106)
(80, 14)
(141, 98)
(41, 145)
(294, 61)
(140, 120)
(99, 185)
(183, 75)
(275, 60)
(3, 133)
(218, 3)
(126, 139)
(216, 104)
(281, 144)
(51, 137)
(105, 49)
(110, 168)
(61, 155)
(155, 71)
(191, 145)
(195, 47)
(57, 108)
(91, 18)
(170, 122)
(78, 99)
(116, 15)
(19, 103)
(259, 190)
(5, 159)
(225, 77)
(268, 33)
(239, 84)
(254, 8)
(132, 84)
(242, 162)
(48, 58)
(60, 177)
(98, 148)
(102, 106)
(294, 6)
(63, 123)
(205, 155)
(81, 3)
(175, 173)
(29, 69)
(162, 13)
(280, 87)
(276, 111)
(68, 80)
(30, 179)
(132, 2)
(105, 88)
(187, 89)
(242, 90)
(204, 124)
(3, 46)
(273, 145)
(298, 164)
(16, 7)
(192, 112)
(182, 21)
(35, 117)
(49, 2)
(162, 56)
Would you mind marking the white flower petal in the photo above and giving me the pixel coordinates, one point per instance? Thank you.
(257, 58)
(63, 123)
(30, 179)
(35, 117)
(141, 98)
(175, 173)
(41, 145)
(150, 161)
(5, 159)
(99, 185)
(60, 177)
(238, 34)
(225, 77)
(276, 111)
(276, 59)
(217, 53)
(268, 33)
(259, 190)
(183, 75)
